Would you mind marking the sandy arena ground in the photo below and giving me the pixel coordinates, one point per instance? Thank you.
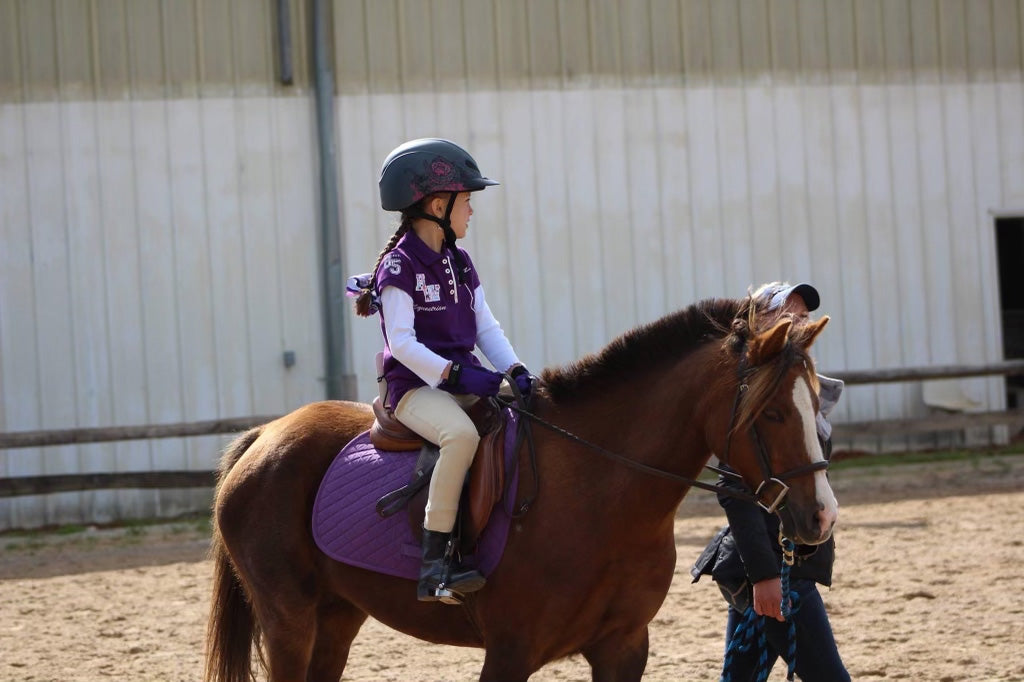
(930, 563)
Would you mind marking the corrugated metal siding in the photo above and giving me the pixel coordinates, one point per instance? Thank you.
(145, 49)
(158, 257)
(676, 150)
(620, 205)
(412, 46)
(157, 191)
(169, 48)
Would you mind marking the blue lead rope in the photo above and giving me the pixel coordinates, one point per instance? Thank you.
(790, 602)
(750, 631)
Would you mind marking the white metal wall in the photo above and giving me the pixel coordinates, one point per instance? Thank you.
(620, 205)
(156, 259)
(158, 223)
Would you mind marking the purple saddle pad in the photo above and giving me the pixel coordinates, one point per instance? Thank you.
(346, 525)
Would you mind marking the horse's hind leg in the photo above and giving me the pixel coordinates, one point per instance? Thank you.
(338, 622)
(307, 639)
(288, 640)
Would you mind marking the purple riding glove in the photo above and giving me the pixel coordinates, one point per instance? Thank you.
(469, 379)
(524, 382)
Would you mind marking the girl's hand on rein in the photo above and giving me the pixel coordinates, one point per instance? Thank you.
(471, 380)
(522, 378)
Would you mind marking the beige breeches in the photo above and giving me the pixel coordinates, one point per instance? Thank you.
(439, 417)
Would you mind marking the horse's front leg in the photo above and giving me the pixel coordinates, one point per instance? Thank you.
(508, 661)
(618, 658)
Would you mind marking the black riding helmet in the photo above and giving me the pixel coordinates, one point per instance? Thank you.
(422, 167)
(427, 166)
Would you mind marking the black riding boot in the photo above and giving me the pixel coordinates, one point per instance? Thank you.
(440, 580)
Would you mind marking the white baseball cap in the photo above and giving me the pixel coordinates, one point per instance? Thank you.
(776, 293)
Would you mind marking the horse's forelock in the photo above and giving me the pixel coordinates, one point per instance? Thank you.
(764, 380)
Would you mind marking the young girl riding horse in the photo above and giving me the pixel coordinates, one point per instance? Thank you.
(433, 313)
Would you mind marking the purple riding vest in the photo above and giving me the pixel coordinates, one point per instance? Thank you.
(444, 318)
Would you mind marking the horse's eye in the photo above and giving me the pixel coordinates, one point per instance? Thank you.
(773, 415)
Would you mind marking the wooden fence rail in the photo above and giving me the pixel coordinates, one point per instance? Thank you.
(41, 485)
(67, 483)
(881, 376)
(953, 421)
(103, 434)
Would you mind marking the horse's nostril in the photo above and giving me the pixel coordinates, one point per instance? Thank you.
(824, 522)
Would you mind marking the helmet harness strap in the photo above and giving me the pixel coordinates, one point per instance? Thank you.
(449, 234)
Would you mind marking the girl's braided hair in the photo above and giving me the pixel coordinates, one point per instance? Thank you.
(365, 298)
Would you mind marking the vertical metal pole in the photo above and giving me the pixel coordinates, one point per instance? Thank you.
(284, 42)
(340, 383)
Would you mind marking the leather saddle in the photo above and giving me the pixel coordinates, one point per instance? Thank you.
(485, 482)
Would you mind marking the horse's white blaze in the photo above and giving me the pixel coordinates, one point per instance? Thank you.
(823, 491)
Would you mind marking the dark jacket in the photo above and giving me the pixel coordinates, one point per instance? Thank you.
(748, 548)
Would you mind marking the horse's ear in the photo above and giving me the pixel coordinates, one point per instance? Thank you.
(767, 345)
(813, 329)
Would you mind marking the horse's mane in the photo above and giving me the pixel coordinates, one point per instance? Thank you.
(657, 343)
(730, 321)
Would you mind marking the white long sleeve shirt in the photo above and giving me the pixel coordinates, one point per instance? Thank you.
(399, 317)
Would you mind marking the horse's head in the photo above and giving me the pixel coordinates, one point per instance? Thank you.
(771, 438)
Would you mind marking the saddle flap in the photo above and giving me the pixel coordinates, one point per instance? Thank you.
(486, 481)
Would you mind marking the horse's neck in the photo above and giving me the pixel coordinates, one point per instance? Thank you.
(669, 422)
(658, 423)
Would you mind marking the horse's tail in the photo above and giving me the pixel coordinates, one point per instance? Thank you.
(231, 629)
(234, 451)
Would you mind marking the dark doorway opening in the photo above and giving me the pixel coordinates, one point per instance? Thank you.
(1010, 252)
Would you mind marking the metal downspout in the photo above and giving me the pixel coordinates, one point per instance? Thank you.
(339, 380)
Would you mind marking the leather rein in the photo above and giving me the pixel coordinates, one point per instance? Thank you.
(768, 483)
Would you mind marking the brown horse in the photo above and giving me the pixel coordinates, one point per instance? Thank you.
(587, 568)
